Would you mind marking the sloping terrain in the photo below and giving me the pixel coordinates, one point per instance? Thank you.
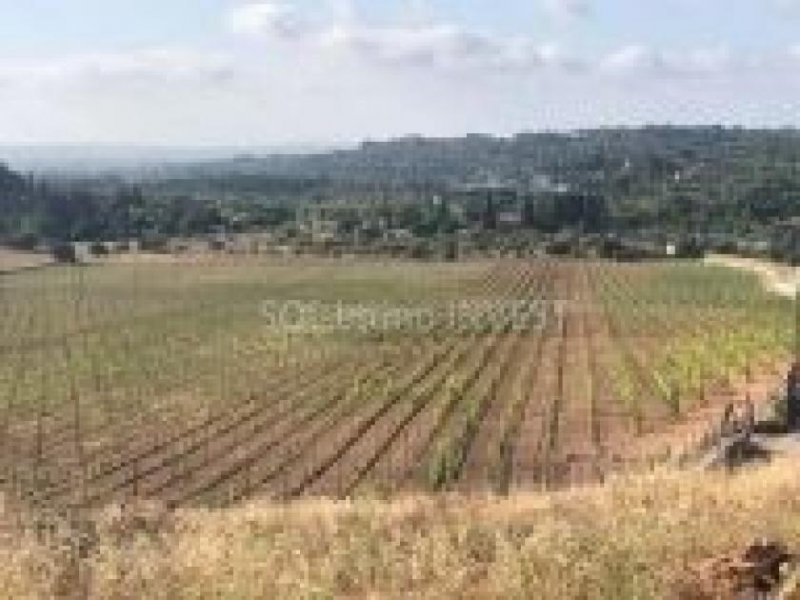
(646, 536)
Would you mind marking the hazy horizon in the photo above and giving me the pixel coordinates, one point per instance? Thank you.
(81, 157)
(85, 157)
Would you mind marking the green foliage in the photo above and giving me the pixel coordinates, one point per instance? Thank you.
(701, 324)
(699, 182)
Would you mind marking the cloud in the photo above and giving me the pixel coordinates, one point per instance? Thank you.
(794, 52)
(640, 60)
(567, 10)
(704, 61)
(439, 44)
(423, 43)
(268, 18)
(708, 60)
(787, 7)
(442, 45)
(433, 44)
(446, 45)
(153, 64)
(627, 59)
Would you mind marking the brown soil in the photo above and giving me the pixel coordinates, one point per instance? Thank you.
(546, 404)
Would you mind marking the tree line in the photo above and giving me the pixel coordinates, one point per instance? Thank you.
(706, 179)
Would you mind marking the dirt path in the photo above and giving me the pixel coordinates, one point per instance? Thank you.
(13, 260)
(781, 279)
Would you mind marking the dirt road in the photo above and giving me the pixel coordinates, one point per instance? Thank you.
(781, 279)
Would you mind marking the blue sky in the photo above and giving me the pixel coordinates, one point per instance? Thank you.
(272, 72)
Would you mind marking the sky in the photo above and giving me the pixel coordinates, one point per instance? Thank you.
(256, 73)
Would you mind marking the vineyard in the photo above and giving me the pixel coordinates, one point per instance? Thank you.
(217, 381)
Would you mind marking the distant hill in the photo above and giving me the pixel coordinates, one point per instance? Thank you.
(95, 159)
(582, 155)
(695, 180)
(681, 174)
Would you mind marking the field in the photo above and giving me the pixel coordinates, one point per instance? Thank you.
(214, 382)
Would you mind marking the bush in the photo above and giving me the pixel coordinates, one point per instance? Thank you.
(98, 249)
(154, 242)
(561, 248)
(691, 247)
(25, 241)
(421, 251)
(64, 253)
(217, 245)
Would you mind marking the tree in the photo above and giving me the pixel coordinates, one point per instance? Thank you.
(490, 212)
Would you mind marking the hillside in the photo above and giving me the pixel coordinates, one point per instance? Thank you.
(681, 173)
(723, 184)
(647, 536)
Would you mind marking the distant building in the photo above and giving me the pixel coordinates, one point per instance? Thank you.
(482, 203)
(399, 235)
(509, 219)
(81, 251)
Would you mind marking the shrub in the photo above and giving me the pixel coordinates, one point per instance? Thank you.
(98, 249)
(64, 253)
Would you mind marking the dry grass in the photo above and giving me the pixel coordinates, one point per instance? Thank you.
(781, 279)
(630, 538)
(12, 260)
